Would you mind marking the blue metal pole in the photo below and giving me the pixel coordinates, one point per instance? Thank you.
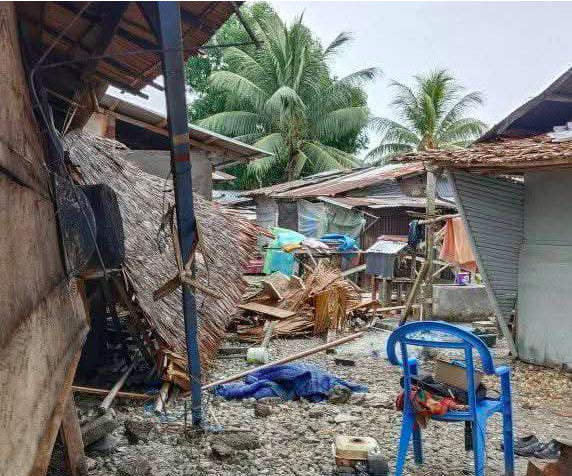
(166, 19)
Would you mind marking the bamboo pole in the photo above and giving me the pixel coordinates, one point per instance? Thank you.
(284, 360)
(108, 400)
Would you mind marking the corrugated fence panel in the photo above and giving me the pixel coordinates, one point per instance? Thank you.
(493, 210)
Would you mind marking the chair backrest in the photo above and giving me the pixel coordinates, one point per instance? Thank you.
(409, 334)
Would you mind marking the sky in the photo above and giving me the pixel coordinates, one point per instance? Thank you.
(510, 51)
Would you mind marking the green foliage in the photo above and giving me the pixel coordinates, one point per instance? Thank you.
(281, 98)
(432, 115)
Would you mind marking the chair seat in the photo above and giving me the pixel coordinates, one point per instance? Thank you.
(485, 408)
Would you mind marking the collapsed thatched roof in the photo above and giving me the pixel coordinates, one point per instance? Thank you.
(226, 243)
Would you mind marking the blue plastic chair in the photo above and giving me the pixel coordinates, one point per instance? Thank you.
(479, 410)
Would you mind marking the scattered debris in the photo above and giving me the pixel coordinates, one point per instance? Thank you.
(325, 302)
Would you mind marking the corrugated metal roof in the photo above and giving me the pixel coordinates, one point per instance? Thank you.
(229, 197)
(273, 190)
(354, 180)
(385, 202)
(386, 247)
(235, 149)
(501, 156)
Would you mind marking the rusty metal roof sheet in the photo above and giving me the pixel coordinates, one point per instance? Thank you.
(504, 155)
(353, 181)
(273, 190)
(385, 202)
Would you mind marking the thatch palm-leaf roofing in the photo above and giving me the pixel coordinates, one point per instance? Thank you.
(226, 243)
(501, 155)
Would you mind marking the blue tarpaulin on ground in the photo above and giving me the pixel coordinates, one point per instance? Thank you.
(288, 382)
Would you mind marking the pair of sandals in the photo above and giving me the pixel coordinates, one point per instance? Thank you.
(530, 446)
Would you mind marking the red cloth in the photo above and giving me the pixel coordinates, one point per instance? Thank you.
(426, 404)
(456, 247)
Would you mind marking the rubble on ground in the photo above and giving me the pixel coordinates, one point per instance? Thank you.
(296, 438)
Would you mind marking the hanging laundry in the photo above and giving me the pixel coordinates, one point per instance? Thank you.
(456, 247)
(416, 233)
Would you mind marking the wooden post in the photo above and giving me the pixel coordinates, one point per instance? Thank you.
(430, 193)
(386, 292)
(414, 291)
(71, 436)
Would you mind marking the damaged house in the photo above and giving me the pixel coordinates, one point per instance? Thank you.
(58, 58)
(513, 189)
(364, 203)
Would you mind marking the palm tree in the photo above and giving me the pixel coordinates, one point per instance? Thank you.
(281, 97)
(432, 114)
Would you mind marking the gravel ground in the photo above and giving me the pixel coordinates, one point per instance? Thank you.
(296, 437)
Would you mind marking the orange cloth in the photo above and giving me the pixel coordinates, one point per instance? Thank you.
(456, 247)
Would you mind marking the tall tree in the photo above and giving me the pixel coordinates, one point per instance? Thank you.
(281, 97)
(431, 115)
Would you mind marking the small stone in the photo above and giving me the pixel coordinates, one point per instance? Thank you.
(137, 466)
(261, 410)
(90, 463)
(105, 446)
(138, 430)
(344, 418)
(316, 413)
(270, 400)
(240, 441)
(339, 394)
(221, 450)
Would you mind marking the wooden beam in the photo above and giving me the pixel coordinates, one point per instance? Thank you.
(112, 14)
(430, 194)
(70, 434)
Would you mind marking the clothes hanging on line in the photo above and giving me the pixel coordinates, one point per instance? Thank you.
(456, 247)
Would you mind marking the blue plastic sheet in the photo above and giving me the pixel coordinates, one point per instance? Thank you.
(344, 242)
(276, 259)
(288, 382)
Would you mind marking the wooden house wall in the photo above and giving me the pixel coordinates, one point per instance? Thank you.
(43, 323)
(387, 221)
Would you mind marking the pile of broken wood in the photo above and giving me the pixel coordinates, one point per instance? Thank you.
(321, 302)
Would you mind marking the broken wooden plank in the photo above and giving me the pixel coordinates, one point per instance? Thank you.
(102, 391)
(271, 290)
(267, 310)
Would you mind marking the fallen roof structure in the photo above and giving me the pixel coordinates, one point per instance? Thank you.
(226, 243)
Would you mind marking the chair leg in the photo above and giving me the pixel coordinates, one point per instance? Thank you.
(406, 430)
(417, 445)
(479, 445)
(508, 440)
